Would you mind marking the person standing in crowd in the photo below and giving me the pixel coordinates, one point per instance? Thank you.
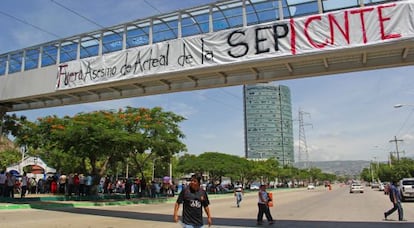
(238, 193)
(3, 179)
(62, 184)
(395, 198)
(128, 186)
(194, 199)
(263, 205)
(88, 185)
(10, 182)
(25, 182)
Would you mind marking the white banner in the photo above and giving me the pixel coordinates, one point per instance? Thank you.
(297, 36)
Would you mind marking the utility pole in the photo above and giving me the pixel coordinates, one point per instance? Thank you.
(303, 147)
(395, 140)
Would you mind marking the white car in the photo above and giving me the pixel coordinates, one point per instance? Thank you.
(406, 188)
(311, 186)
(255, 186)
(381, 187)
(356, 187)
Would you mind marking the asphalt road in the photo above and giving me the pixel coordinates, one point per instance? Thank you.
(293, 208)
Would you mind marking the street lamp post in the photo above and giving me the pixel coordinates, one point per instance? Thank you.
(153, 167)
(169, 168)
(23, 150)
(395, 140)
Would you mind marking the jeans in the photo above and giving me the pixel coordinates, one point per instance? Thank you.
(239, 198)
(397, 206)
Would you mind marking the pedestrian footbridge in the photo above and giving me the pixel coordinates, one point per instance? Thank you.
(227, 43)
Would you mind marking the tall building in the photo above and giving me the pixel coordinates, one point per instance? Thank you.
(268, 123)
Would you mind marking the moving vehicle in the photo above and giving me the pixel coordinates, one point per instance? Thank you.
(356, 187)
(406, 188)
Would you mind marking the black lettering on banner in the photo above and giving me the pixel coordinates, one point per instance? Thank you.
(276, 35)
(207, 55)
(243, 44)
(68, 76)
(147, 64)
(184, 58)
(138, 63)
(259, 40)
(276, 30)
(126, 68)
(100, 73)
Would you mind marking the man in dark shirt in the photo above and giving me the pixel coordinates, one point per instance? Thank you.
(193, 199)
(395, 198)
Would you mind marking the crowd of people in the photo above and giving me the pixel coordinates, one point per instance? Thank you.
(75, 184)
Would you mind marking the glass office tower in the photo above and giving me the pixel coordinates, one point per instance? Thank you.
(268, 123)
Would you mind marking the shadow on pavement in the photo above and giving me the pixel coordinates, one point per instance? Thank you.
(229, 222)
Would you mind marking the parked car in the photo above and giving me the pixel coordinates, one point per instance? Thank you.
(356, 187)
(255, 186)
(381, 187)
(406, 187)
(375, 185)
(311, 186)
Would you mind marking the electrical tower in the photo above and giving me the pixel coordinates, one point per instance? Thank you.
(303, 154)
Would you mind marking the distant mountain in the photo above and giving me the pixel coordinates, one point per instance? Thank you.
(339, 168)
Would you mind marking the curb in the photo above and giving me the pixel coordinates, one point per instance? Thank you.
(50, 202)
(74, 204)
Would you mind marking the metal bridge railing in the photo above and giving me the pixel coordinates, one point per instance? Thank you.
(183, 23)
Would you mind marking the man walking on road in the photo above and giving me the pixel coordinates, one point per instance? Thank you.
(238, 193)
(193, 199)
(395, 198)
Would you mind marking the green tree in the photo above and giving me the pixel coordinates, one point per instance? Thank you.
(11, 124)
(158, 133)
(97, 141)
(9, 156)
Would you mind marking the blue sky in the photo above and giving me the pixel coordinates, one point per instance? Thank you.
(349, 116)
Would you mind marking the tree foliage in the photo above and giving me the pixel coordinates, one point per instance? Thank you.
(218, 165)
(97, 141)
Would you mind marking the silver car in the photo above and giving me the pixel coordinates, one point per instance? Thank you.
(356, 187)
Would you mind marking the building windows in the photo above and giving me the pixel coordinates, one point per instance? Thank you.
(268, 118)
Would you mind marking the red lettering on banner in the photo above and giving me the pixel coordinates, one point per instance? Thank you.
(292, 37)
(332, 21)
(361, 13)
(306, 31)
(382, 19)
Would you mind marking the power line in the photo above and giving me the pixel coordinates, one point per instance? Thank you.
(30, 24)
(405, 122)
(152, 6)
(216, 100)
(76, 13)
